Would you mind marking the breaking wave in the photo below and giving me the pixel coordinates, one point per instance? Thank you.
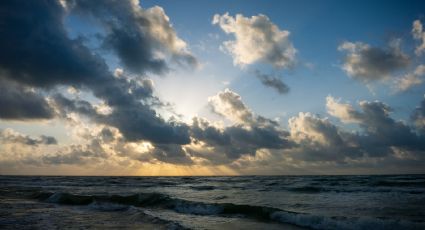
(157, 200)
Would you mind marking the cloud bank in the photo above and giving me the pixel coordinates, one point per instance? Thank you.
(120, 125)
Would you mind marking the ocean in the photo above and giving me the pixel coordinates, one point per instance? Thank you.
(234, 202)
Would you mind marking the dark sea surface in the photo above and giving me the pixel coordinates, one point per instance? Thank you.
(241, 202)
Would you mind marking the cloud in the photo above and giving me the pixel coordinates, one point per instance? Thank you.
(345, 112)
(173, 154)
(379, 139)
(48, 58)
(376, 121)
(92, 145)
(141, 38)
(256, 39)
(77, 154)
(235, 141)
(65, 105)
(99, 144)
(419, 34)
(135, 121)
(258, 143)
(142, 123)
(18, 102)
(307, 126)
(379, 129)
(319, 140)
(124, 126)
(272, 82)
(366, 63)
(229, 104)
(249, 133)
(9, 136)
(310, 138)
(410, 80)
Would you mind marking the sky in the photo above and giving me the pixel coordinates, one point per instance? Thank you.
(157, 88)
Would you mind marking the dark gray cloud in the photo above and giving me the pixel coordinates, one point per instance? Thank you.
(18, 102)
(319, 140)
(136, 34)
(237, 140)
(133, 53)
(272, 82)
(377, 124)
(135, 121)
(249, 134)
(367, 63)
(107, 135)
(46, 58)
(380, 135)
(9, 136)
(107, 143)
(142, 123)
(171, 153)
(66, 105)
(36, 49)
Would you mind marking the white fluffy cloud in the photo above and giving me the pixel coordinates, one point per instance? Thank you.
(342, 111)
(410, 80)
(256, 39)
(229, 104)
(419, 34)
(305, 127)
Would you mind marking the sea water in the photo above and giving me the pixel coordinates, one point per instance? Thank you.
(234, 202)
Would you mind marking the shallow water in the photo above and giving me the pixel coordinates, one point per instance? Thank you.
(243, 202)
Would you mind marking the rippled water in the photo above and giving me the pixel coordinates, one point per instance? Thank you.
(243, 202)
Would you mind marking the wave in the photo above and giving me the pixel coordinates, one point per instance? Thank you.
(159, 200)
(262, 213)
